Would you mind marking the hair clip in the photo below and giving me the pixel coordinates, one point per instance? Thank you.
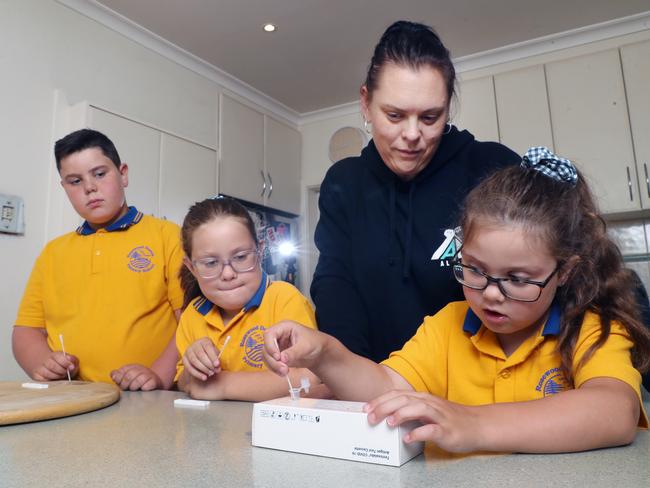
(541, 159)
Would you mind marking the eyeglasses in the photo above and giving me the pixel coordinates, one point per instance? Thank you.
(242, 262)
(519, 289)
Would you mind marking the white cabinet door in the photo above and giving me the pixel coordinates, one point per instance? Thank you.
(522, 105)
(241, 143)
(282, 155)
(591, 125)
(477, 110)
(636, 70)
(139, 147)
(188, 175)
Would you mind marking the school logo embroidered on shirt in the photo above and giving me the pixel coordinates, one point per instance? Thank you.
(448, 249)
(552, 382)
(140, 259)
(253, 342)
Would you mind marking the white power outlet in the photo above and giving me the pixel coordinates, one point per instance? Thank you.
(12, 210)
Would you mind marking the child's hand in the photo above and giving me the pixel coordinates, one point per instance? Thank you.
(201, 359)
(56, 366)
(452, 426)
(136, 377)
(289, 344)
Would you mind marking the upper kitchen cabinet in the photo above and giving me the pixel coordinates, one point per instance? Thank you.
(282, 158)
(241, 146)
(636, 70)
(139, 147)
(188, 174)
(477, 110)
(522, 105)
(591, 125)
(260, 157)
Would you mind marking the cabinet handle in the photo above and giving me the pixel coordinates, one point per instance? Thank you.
(629, 183)
(263, 183)
(270, 184)
(647, 181)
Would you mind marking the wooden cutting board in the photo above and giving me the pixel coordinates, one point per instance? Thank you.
(60, 399)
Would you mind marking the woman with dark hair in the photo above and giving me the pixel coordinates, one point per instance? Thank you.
(385, 233)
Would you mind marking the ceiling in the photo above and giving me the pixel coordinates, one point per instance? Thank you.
(318, 56)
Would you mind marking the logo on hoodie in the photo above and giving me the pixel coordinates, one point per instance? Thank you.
(446, 251)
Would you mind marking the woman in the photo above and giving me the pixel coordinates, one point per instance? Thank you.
(384, 234)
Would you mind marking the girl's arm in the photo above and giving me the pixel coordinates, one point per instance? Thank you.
(347, 375)
(249, 386)
(603, 412)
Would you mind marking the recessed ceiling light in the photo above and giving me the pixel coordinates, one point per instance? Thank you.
(269, 27)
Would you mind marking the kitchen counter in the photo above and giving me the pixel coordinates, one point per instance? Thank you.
(144, 441)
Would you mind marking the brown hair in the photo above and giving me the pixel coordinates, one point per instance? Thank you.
(566, 218)
(412, 45)
(201, 213)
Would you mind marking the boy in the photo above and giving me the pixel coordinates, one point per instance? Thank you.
(110, 288)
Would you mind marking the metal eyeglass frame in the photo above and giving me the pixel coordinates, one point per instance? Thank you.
(228, 262)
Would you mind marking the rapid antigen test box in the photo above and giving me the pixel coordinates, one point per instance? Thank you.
(330, 428)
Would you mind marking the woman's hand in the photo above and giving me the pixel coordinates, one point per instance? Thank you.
(201, 359)
(289, 344)
(451, 426)
(55, 367)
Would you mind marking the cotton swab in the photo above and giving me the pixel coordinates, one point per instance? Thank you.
(225, 343)
(63, 348)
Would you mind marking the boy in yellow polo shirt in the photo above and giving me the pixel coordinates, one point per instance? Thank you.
(110, 288)
(231, 302)
(540, 358)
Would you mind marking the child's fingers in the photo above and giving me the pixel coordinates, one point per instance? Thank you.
(200, 359)
(192, 370)
(211, 354)
(386, 408)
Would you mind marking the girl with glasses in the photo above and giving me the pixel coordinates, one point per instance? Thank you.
(542, 355)
(228, 302)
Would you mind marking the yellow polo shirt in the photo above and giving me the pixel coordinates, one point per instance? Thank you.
(271, 303)
(454, 357)
(111, 293)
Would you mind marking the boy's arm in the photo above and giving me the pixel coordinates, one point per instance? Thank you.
(37, 359)
(165, 365)
(159, 376)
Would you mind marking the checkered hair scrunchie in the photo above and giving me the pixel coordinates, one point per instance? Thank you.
(541, 159)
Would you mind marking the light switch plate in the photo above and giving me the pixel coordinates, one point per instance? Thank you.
(12, 211)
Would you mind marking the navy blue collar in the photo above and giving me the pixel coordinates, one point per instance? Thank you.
(472, 323)
(131, 217)
(203, 305)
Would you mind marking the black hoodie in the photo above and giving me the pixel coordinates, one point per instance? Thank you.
(386, 244)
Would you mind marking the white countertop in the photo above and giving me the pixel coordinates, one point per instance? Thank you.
(144, 441)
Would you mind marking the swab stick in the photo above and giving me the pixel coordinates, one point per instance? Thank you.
(63, 349)
(225, 343)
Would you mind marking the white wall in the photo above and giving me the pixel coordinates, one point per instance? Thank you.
(46, 46)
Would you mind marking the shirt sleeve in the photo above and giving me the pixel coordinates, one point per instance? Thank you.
(613, 359)
(297, 308)
(174, 260)
(31, 311)
(184, 338)
(339, 309)
(422, 362)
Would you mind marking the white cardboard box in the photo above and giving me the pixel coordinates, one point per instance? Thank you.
(330, 428)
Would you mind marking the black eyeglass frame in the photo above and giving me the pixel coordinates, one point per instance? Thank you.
(498, 281)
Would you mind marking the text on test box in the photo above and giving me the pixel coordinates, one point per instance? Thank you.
(330, 428)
